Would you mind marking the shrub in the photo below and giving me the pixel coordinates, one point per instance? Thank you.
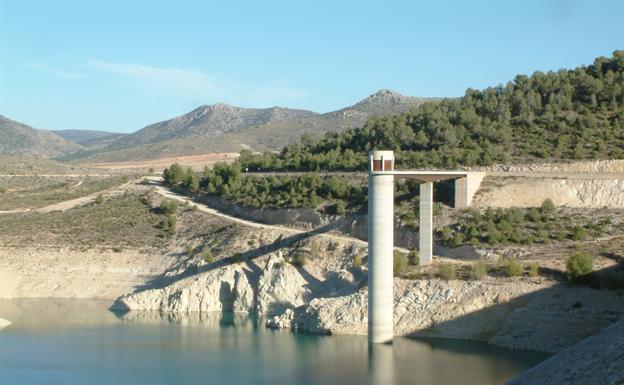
(237, 258)
(168, 207)
(534, 269)
(299, 260)
(399, 262)
(206, 255)
(579, 264)
(413, 258)
(357, 261)
(117, 249)
(3, 190)
(447, 271)
(168, 224)
(533, 215)
(340, 208)
(99, 199)
(579, 233)
(543, 236)
(548, 206)
(145, 181)
(513, 268)
(189, 250)
(479, 270)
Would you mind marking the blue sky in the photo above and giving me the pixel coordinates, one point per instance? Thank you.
(120, 65)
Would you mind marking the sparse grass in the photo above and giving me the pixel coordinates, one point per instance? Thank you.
(121, 221)
(207, 255)
(413, 258)
(513, 268)
(478, 270)
(357, 261)
(534, 269)
(447, 271)
(399, 263)
(34, 191)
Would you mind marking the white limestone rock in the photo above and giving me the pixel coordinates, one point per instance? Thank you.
(4, 323)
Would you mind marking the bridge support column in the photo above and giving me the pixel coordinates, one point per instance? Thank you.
(461, 193)
(380, 248)
(426, 223)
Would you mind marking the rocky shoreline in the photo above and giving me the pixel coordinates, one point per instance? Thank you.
(597, 360)
(520, 313)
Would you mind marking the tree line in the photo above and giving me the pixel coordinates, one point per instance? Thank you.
(565, 114)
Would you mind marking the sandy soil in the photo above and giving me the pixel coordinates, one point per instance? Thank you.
(195, 161)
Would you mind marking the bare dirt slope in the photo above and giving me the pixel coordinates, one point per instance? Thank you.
(592, 184)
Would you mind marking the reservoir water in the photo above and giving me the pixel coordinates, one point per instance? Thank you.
(82, 342)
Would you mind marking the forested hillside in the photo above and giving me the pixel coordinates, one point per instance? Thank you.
(567, 114)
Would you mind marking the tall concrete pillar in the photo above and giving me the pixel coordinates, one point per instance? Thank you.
(461, 192)
(380, 247)
(426, 223)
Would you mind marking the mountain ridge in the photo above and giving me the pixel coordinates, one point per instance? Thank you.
(221, 127)
(21, 139)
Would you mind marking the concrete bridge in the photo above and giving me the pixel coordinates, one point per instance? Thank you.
(381, 177)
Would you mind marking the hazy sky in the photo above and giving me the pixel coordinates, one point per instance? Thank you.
(120, 65)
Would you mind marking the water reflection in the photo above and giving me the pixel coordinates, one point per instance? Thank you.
(381, 364)
(76, 342)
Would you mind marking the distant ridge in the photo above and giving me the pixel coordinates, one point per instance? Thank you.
(224, 128)
(20, 139)
(88, 137)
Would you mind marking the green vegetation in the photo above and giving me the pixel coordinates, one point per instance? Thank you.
(534, 269)
(520, 226)
(357, 261)
(21, 192)
(447, 271)
(567, 114)
(513, 268)
(206, 255)
(414, 258)
(399, 262)
(548, 206)
(124, 221)
(299, 259)
(579, 264)
(168, 207)
(237, 258)
(479, 270)
(99, 199)
(308, 190)
(168, 224)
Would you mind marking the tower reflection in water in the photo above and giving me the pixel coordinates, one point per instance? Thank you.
(381, 364)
